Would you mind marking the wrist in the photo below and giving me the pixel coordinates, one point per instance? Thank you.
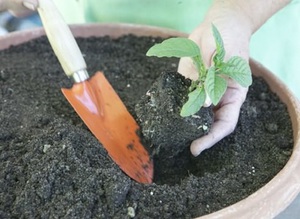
(225, 13)
(253, 13)
(234, 27)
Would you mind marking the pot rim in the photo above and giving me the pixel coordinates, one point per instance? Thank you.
(266, 202)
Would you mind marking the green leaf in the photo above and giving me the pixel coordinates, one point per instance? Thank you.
(175, 47)
(198, 62)
(214, 85)
(239, 70)
(220, 51)
(194, 103)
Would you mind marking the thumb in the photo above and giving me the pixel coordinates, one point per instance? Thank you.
(223, 126)
(31, 4)
(19, 8)
(187, 68)
(226, 117)
(218, 131)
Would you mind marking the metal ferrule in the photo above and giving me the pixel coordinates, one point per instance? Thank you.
(80, 76)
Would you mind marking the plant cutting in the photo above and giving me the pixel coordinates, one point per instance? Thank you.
(174, 101)
(211, 82)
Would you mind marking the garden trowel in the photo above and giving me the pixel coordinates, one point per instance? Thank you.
(95, 100)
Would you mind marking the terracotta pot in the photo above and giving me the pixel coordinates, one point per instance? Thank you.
(272, 198)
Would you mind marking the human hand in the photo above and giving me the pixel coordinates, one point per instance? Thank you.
(19, 8)
(236, 32)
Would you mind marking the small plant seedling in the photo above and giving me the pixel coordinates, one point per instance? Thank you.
(210, 80)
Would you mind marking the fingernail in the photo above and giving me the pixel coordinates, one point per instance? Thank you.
(30, 5)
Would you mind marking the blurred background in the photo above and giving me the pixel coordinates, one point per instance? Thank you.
(9, 23)
(72, 11)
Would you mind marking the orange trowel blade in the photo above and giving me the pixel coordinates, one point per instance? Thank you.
(99, 106)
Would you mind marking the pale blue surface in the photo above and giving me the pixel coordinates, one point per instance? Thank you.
(276, 45)
(292, 211)
(181, 15)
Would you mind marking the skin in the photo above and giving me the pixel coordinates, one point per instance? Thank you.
(236, 21)
(19, 8)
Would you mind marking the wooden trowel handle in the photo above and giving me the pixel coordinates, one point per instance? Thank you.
(61, 38)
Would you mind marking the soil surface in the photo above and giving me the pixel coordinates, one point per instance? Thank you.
(51, 166)
(168, 133)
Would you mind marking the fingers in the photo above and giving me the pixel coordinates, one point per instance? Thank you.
(31, 4)
(19, 8)
(226, 118)
(224, 125)
(187, 68)
(236, 37)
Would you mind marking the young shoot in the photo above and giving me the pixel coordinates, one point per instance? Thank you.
(211, 81)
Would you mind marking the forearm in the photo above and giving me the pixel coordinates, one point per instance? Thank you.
(253, 12)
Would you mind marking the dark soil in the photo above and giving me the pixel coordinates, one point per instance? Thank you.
(51, 166)
(169, 134)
